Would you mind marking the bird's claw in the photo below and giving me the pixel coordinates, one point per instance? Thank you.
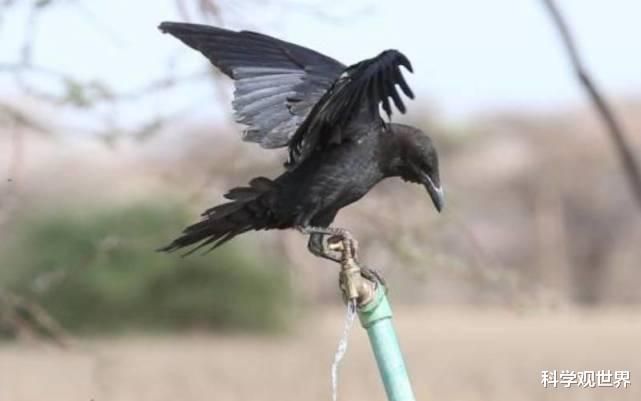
(319, 245)
(373, 275)
(331, 243)
(357, 282)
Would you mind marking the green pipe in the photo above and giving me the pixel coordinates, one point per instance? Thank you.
(376, 318)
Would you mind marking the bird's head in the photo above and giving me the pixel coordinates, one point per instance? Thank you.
(419, 162)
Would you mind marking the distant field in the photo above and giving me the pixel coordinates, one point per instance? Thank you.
(452, 355)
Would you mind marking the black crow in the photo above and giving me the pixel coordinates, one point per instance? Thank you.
(327, 115)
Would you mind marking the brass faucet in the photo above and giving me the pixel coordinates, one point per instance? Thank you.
(357, 283)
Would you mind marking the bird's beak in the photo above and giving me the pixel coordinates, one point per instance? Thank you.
(436, 192)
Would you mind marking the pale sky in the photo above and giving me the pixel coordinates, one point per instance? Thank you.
(469, 56)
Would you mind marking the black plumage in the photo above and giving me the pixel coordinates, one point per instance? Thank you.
(326, 114)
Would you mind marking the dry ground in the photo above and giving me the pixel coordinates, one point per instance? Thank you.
(453, 354)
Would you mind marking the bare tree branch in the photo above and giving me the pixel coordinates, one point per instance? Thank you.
(24, 316)
(630, 164)
(14, 170)
(21, 119)
(91, 92)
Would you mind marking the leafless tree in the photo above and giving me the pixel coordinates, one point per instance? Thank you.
(614, 127)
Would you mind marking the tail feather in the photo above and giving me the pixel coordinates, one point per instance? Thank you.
(249, 209)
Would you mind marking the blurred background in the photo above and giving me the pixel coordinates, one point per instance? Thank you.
(113, 137)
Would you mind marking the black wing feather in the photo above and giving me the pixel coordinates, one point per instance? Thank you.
(268, 73)
(289, 95)
(356, 96)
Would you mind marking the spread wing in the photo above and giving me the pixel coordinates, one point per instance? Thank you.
(276, 83)
(351, 105)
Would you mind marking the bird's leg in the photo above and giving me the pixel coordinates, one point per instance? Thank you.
(323, 243)
(322, 246)
(318, 245)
